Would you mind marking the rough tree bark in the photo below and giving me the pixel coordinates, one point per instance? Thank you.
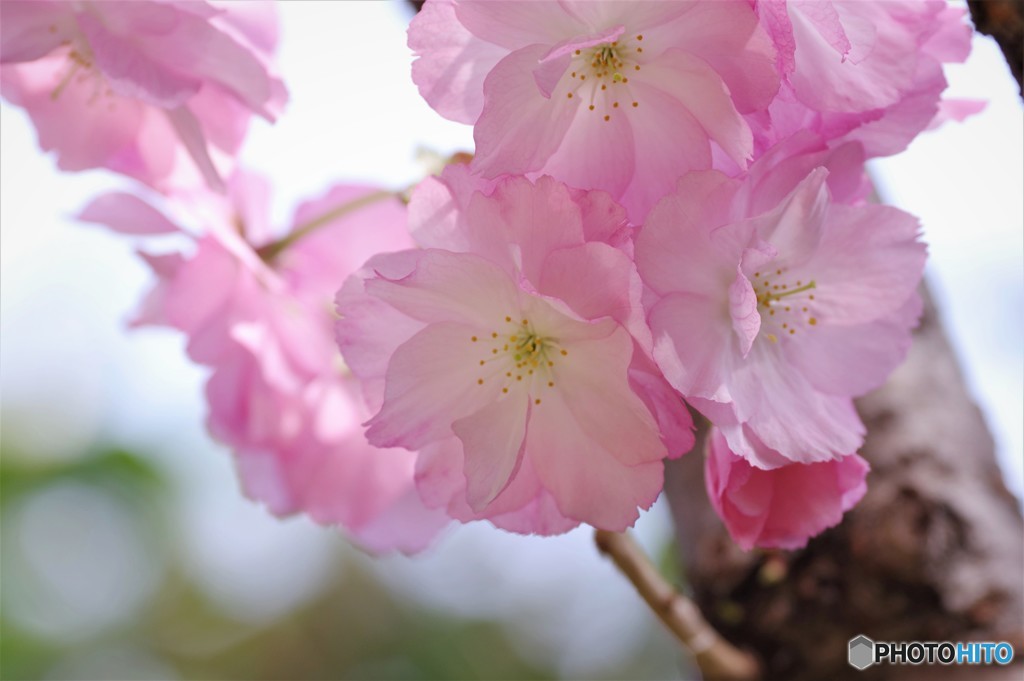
(934, 552)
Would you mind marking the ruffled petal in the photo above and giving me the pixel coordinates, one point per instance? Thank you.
(430, 385)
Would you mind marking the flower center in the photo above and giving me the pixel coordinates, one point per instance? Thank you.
(785, 305)
(600, 75)
(517, 356)
(79, 68)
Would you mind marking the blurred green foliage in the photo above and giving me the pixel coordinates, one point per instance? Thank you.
(355, 629)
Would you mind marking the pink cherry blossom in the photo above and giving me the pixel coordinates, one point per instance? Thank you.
(159, 91)
(783, 507)
(620, 96)
(278, 393)
(772, 308)
(511, 351)
(861, 71)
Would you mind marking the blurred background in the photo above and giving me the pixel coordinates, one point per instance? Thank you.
(128, 551)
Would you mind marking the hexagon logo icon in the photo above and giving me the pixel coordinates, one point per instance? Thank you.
(862, 652)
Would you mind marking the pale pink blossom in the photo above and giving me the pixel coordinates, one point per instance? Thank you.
(861, 71)
(278, 392)
(620, 96)
(783, 507)
(511, 351)
(159, 91)
(772, 306)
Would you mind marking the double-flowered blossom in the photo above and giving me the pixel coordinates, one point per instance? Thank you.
(259, 316)
(855, 70)
(622, 96)
(159, 91)
(773, 306)
(782, 507)
(511, 350)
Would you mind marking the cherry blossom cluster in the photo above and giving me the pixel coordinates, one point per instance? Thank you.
(665, 216)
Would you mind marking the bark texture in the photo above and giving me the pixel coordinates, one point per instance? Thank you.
(934, 552)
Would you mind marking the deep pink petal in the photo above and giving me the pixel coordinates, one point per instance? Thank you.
(784, 507)
(675, 425)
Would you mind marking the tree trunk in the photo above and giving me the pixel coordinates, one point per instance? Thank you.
(934, 551)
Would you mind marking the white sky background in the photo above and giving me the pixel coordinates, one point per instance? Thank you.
(70, 373)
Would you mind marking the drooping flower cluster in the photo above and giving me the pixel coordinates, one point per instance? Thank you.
(735, 135)
(261, 320)
(666, 210)
(159, 91)
(512, 350)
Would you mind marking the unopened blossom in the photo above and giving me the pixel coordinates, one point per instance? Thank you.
(783, 507)
(622, 96)
(862, 71)
(511, 351)
(159, 91)
(771, 308)
(260, 318)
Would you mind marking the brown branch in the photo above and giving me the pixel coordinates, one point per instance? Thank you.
(1004, 21)
(716, 657)
(270, 251)
(933, 552)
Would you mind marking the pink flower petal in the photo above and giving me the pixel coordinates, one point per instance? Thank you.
(429, 387)
(31, 30)
(494, 440)
(869, 262)
(451, 62)
(128, 214)
(519, 128)
(441, 285)
(853, 360)
(525, 222)
(513, 24)
(746, 319)
(784, 507)
(688, 346)
(129, 69)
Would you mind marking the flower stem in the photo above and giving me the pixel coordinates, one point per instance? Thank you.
(716, 657)
(270, 251)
